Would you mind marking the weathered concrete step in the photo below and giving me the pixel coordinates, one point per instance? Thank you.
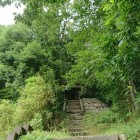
(73, 102)
(80, 126)
(75, 121)
(73, 110)
(76, 124)
(75, 117)
(75, 129)
(75, 114)
(100, 137)
(73, 107)
(79, 133)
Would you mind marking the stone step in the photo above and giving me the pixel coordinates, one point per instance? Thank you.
(75, 129)
(80, 126)
(75, 114)
(73, 110)
(79, 133)
(76, 122)
(75, 117)
(100, 137)
(73, 102)
(73, 106)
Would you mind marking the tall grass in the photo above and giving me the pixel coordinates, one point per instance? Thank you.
(43, 135)
(108, 122)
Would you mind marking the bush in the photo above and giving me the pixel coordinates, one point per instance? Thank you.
(42, 135)
(35, 135)
(6, 116)
(35, 102)
(35, 106)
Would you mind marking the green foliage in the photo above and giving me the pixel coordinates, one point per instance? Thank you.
(109, 122)
(106, 49)
(5, 2)
(18, 33)
(58, 44)
(7, 110)
(14, 39)
(34, 106)
(35, 102)
(100, 120)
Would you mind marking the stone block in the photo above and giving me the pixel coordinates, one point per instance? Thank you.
(122, 137)
(72, 138)
(101, 137)
(20, 130)
(28, 128)
(98, 105)
(12, 136)
(104, 105)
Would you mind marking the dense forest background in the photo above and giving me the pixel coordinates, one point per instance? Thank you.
(57, 44)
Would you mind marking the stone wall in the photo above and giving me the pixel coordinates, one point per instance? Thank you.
(93, 105)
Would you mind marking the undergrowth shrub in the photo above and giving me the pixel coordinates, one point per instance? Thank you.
(35, 102)
(34, 106)
(43, 135)
(109, 122)
(7, 109)
(99, 121)
(61, 121)
(107, 117)
(35, 135)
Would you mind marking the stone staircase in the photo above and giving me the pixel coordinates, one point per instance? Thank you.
(73, 110)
